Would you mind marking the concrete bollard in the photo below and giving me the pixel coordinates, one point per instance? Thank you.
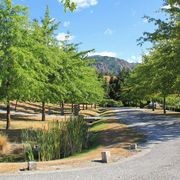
(32, 165)
(133, 146)
(106, 156)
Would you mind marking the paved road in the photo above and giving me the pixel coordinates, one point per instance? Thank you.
(159, 160)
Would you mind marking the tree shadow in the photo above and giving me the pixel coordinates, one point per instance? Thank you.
(19, 117)
(14, 135)
(156, 127)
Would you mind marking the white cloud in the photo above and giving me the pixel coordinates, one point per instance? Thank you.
(52, 19)
(64, 37)
(145, 20)
(84, 3)
(104, 53)
(169, 7)
(108, 31)
(134, 59)
(66, 23)
(166, 7)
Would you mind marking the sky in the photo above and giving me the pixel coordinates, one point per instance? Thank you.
(111, 27)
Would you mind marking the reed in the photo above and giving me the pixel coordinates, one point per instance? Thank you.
(59, 140)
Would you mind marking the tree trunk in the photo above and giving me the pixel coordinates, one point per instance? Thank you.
(83, 106)
(62, 109)
(76, 110)
(152, 105)
(164, 105)
(86, 106)
(72, 107)
(43, 111)
(8, 115)
(15, 107)
(95, 106)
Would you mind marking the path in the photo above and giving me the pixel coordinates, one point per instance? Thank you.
(160, 159)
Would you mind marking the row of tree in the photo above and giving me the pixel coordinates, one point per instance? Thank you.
(159, 73)
(34, 66)
(158, 77)
(114, 85)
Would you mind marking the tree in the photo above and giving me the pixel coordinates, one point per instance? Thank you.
(163, 60)
(16, 75)
(172, 2)
(45, 51)
(34, 67)
(83, 83)
(69, 4)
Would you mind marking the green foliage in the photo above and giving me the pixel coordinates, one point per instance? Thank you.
(68, 5)
(11, 158)
(59, 140)
(159, 73)
(111, 103)
(16, 59)
(172, 2)
(34, 66)
(29, 156)
(114, 89)
(174, 100)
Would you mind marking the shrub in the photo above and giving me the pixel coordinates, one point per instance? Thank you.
(111, 103)
(60, 139)
(3, 143)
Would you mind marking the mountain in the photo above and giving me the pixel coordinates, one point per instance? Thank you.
(111, 65)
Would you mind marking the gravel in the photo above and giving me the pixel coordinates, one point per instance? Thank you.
(159, 159)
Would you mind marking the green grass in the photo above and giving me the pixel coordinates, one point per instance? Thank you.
(94, 141)
(98, 127)
(12, 158)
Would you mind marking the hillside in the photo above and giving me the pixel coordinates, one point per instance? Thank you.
(111, 65)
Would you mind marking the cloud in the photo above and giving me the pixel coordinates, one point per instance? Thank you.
(66, 23)
(108, 31)
(166, 7)
(52, 19)
(64, 37)
(84, 3)
(169, 7)
(104, 53)
(134, 59)
(145, 20)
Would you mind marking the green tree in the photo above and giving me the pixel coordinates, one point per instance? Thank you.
(163, 59)
(16, 75)
(69, 4)
(45, 50)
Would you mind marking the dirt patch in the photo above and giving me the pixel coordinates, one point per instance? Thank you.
(71, 162)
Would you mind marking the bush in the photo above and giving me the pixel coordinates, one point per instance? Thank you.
(111, 103)
(3, 143)
(60, 139)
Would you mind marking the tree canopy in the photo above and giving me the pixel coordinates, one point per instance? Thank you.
(159, 73)
(34, 66)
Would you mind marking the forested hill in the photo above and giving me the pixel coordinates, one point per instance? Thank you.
(111, 65)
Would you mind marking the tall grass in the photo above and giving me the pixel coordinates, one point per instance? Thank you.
(59, 140)
(3, 143)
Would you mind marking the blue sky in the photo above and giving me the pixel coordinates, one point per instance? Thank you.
(111, 27)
